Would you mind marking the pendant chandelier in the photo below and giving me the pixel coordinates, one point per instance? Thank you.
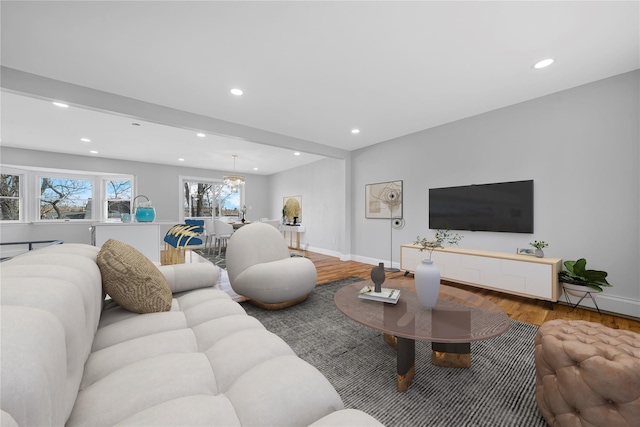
(234, 182)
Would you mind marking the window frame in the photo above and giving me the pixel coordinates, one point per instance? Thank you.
(215, 181)
(70, 176)
(30, 192)
(21, 194)
(105, 191)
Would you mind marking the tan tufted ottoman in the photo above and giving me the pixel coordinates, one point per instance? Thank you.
(587, 374)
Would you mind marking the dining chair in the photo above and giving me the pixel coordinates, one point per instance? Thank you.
(222, 234)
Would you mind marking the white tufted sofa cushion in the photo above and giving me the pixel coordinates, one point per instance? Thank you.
(587, 374)
(67, 361)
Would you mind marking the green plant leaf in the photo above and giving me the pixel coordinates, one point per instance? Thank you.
(579, 267)
(577, 274)
(569, 266)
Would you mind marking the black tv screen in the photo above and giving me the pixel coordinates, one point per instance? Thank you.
(504, 206)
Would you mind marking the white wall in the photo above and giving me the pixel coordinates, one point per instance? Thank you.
(158, 182)
(322, 187)
(580, 146)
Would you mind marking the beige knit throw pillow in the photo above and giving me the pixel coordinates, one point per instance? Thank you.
(132, 280)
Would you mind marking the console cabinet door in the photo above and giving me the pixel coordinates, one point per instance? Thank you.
(495, 271)
(410, 258)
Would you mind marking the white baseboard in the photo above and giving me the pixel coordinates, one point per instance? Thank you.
(325, 252)
(610, 303)
(375, 261)
(351, 257)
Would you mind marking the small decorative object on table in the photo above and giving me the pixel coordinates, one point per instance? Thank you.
(378, 276)
(144, 212)
(244, 211)
(539, 245)
(385, 294)
(427, 275)
(293, 209)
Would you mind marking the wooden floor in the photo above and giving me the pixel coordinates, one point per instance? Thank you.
(526, 310)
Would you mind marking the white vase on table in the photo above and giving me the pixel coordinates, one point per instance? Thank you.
(427, 280)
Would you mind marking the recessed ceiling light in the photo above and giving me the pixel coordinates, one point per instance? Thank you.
(237, 92)
(181, 160)
(85, 140)
(60, 104)
(544, 63)
(200, 134)
(93, 152)
(297, 153)
(255, 169)
(355, 130)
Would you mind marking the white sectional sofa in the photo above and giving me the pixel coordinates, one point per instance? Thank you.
(67, 360)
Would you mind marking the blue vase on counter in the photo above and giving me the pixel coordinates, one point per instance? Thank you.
(145, 214)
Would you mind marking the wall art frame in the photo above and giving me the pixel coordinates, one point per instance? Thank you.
(293, 201)
(383, 200)
(526, 251)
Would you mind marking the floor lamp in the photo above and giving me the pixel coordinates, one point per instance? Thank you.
(397, 223)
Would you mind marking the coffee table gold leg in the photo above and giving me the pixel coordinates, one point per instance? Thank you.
(451, 355)
(404, 381)
(391, 340)
(406, 363)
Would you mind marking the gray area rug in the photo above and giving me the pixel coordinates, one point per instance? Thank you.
(213, 256)
(498, 389)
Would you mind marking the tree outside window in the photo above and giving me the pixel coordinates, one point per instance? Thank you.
(65, 198)
(10, 200)
(118, 197)
(208, 199)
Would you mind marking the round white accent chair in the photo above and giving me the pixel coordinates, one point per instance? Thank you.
(261, 268)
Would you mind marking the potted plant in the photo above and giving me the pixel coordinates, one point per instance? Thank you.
(291, 209)
(426, 274)
(539, 245)
(443, 237)
(577, 280)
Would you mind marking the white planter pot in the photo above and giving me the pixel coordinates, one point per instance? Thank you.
(578, 290)
(427, 278)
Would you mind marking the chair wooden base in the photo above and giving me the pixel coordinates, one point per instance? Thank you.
(278, 305)
(171, 255)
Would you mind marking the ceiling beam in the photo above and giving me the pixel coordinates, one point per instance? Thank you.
(45, 88)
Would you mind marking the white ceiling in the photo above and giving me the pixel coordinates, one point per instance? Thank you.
(310, 71)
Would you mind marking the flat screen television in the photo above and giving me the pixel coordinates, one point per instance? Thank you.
(503, 206)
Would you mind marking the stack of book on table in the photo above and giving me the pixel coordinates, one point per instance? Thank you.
(385, 294)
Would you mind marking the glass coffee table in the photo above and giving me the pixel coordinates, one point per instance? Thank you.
(458, 318)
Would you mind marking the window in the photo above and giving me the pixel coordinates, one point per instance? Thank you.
(118, 197)
(65, 198)
(34, 194)
(228, 202)
(10, 198)
(207, 198)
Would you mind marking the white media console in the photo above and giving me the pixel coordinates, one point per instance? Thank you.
(510, 273)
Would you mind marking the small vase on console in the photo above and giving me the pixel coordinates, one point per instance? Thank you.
(427, 280)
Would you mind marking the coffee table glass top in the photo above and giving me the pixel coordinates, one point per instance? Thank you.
(458, 317)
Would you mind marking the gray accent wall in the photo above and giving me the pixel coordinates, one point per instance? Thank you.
(324, 203)
(581, 148)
